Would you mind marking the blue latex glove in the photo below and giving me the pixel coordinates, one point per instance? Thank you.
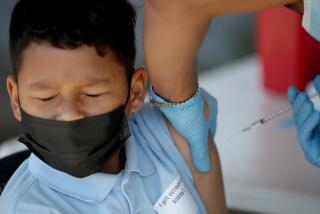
(311, 18)
(189, 120)
(307, 121)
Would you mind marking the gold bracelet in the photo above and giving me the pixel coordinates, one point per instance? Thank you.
(156, 104)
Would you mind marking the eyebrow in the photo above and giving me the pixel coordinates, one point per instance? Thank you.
(91, 82)
(39, 85)
(97, 81)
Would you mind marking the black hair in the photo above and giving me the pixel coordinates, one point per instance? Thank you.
(69, 24)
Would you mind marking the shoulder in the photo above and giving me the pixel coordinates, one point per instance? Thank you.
(151, 132)
(24, 193)
(149, 115)
(155, 146)
(18, 186)
(148, 123)
(149, 128)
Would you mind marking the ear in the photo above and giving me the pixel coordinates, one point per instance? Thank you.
(138, 89)
(12, 88)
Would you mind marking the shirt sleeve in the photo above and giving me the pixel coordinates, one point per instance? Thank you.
(155, 124)
(152, 125)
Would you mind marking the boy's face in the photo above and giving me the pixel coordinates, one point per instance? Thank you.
(66, 85)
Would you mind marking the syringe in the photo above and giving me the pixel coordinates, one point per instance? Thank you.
(270, 117)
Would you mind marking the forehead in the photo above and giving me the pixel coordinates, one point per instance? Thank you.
(43, 62)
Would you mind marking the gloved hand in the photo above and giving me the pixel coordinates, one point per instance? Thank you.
(307, 120)
(190, 121)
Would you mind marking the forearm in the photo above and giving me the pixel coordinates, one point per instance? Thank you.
(172, 38)
(173, 33)
(225, 7)
(210, 184)
(219, 7)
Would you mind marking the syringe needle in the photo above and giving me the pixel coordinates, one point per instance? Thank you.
(271, 116)
(232, 136)
(253, 125)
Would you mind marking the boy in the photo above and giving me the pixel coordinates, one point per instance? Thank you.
(74, 89)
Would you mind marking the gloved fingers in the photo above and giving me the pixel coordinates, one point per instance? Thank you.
(200, 156)
(304, 112)
(312, 152)
(301, 98)
(212, 102)
(210, 120)
(307, 129)
(213, 127)
(292, 94)
(189, 120)
(317, 84)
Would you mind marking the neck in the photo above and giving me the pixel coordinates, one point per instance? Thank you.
(116, 163)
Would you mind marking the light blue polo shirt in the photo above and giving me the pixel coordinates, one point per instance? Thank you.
(153, 162)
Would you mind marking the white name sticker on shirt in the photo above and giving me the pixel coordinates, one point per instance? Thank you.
(176, 199)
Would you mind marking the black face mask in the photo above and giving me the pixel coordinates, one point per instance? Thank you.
(80, 147)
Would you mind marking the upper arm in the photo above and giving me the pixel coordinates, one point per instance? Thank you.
(209, 185)
(173, 33)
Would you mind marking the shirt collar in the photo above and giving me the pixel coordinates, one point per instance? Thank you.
(137, 158)
(93, 188)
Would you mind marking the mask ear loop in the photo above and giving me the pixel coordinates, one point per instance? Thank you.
(126, 130)
(20, 107)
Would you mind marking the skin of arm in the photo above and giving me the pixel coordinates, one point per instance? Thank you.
(210, 184)
(173, 33)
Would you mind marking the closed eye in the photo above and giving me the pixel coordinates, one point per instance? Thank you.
(46, 99)
(94, 95)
